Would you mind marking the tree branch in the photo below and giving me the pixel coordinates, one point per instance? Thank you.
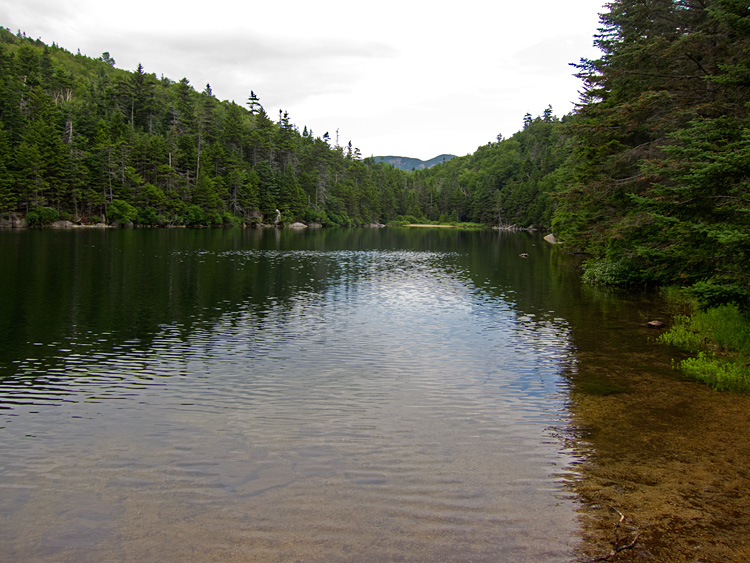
(698, 64)
(616, 547)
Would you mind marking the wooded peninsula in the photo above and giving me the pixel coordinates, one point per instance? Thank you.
(649, 178)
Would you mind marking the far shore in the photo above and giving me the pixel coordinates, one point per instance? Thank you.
(420, 225)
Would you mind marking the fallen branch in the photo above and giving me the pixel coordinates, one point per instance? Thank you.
(616, 547)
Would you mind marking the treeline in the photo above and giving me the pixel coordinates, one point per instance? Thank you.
(85, 141)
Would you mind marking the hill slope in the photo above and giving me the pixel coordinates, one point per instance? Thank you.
(406, 163)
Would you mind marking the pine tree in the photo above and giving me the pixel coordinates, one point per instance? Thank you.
(660, 177)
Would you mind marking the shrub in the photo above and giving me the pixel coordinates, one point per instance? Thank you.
(229, 220)
(719, 374)
(121, 212)
(338, 220)
(605, 272)
(41, 216)
(316, 216)
(147, 216)
(195, 216)
(407, 219)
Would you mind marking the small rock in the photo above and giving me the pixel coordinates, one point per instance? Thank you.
(655, 324)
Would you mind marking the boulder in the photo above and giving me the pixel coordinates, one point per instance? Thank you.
(62, 225)
(12, 221)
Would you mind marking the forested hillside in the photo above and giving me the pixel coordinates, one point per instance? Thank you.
(408, 164)
(506, 183)
(83, 140)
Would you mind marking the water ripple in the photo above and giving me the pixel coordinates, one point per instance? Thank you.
(386, 400)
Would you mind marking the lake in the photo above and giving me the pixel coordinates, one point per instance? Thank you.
(347, 395)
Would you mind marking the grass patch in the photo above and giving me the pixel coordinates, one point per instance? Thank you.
(719, 373)
(720, 339)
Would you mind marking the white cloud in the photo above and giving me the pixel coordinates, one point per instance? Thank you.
(403, 77)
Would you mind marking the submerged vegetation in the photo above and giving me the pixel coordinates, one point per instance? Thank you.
(649, 178)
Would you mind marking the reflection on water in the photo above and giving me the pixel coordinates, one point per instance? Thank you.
(281, 397)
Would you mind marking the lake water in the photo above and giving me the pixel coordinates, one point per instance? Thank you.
(339, 395)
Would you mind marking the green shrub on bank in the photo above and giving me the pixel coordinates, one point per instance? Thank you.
(720, 339)
(41, 216)
(719, 374)
(606, 272)
(121, 212)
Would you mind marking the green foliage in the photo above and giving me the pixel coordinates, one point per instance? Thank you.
(405, 220)
(607, 272)
(148, 216)
(658, 183)
(195, 216)
(121, 212)
(720, 338)
(718, 373)
(231, 221)
(713, 293)
(724, 328)
(41, 216)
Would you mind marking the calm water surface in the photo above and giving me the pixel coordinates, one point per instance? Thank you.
(363, 395)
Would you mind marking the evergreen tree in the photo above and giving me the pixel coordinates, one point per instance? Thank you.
(660, 177)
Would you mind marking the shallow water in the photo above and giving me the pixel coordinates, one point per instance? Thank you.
(378, 395)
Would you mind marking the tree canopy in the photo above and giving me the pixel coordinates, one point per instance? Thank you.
(660, 170)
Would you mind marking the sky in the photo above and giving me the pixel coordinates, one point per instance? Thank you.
(406, 78)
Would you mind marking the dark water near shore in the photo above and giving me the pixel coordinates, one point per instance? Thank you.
(346, 395)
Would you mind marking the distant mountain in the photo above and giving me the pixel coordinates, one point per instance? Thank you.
(406, 163)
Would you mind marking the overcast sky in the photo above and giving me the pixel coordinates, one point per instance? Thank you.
(400, 78)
